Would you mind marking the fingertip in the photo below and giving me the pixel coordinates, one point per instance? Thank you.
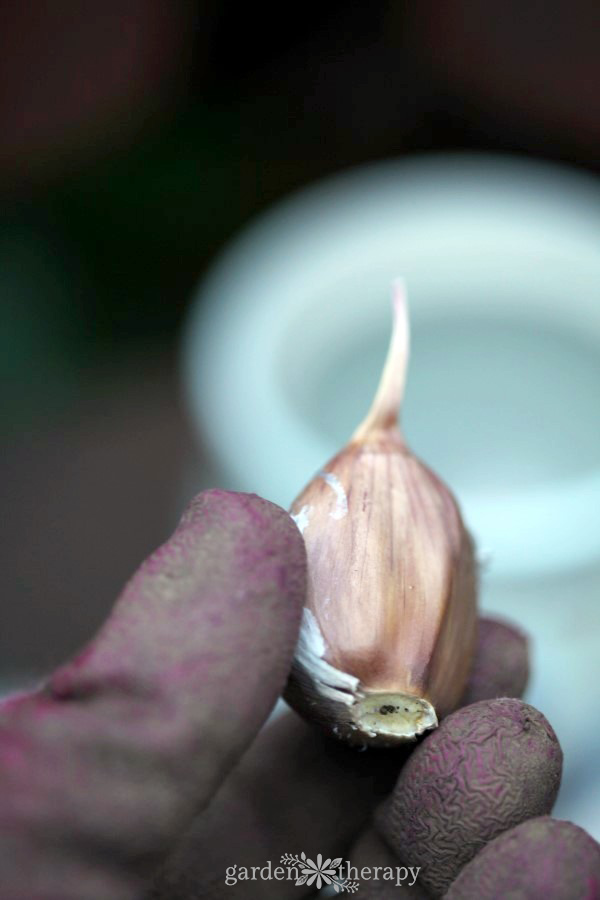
(501, 664)
(542, 857)
(488, 767)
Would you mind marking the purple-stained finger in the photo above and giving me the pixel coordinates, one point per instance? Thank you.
(295, 791)
(105, 765)
(501, 663)
(488, 767)
(541, 858)
(382, 876)
(261, 812)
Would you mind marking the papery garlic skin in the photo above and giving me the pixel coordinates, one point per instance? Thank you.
(388, 632)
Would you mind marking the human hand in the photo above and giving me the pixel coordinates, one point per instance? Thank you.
(130, 751)
(296, 790)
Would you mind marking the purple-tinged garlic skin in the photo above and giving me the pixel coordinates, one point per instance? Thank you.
(488, 767)
(389, 627)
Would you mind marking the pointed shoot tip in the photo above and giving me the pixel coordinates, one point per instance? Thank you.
(387, 403)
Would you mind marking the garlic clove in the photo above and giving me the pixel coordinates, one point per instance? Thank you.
(388, 631)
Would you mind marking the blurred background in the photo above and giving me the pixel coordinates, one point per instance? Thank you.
(136, 138)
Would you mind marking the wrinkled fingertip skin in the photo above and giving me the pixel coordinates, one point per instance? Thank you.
(500, 666)
(488, 767)
(540, 859)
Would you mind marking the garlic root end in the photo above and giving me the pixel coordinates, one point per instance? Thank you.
(393, 716)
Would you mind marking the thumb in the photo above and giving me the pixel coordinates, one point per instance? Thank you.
(103, 767)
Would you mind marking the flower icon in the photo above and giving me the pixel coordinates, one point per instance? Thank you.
(319, 872)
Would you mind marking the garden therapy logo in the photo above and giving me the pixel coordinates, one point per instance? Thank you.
(341, 875)
(319, 873)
